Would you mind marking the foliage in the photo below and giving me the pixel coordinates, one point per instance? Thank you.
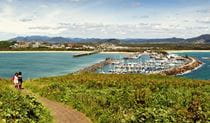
(15, 107)
(130, 98)
(167, 46)
(5, 45)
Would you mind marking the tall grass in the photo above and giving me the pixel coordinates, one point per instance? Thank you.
(18, 108)
(129, 98)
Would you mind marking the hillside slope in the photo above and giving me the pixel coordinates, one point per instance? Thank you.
(199, 39)
(16, 107)
(129, 98)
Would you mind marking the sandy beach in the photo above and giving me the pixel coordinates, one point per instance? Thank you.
(43, 51)
(169, 51)
(63, 52)
(180, 51)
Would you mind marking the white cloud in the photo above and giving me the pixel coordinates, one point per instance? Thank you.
(204, 20)
(9, 1)
(203, 11)
(47, 19)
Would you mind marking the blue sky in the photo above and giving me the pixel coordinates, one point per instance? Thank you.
(105, 18)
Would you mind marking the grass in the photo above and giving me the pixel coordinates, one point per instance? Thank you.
(16, 107)
(129, 98)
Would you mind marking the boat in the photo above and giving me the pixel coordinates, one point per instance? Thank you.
(206, 58)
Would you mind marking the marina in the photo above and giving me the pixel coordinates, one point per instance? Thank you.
(59, 63)
(150, 63)
(206, 58)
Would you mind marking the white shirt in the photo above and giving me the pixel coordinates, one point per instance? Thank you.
(15, 80)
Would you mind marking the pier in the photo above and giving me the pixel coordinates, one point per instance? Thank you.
(95, 67)
(154, 63)
(191, 65)
(86, 54)
(146, 63)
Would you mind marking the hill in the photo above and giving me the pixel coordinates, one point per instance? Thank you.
(164, 40)
(16, 107)
(50, 39)
(129, 97)
(200, 39)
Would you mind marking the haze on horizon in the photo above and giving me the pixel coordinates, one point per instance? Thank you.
(104, 18)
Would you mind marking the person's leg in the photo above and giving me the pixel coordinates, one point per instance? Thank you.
(16, 85)
(20, 85)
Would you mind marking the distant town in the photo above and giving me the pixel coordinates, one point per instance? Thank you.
(119, 45)
(66, 46)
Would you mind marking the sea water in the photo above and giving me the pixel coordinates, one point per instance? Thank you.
(204, 71)
(35, 65)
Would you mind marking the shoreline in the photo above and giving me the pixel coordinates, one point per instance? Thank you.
(169, 51)
(187, 51)
(93, 68)
(64, 52)
(186, 68)
(189, 71)
(175, 71)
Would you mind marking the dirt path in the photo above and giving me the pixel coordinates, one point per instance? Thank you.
(61, 113)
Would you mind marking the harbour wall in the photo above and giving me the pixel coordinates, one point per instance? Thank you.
(95, 67)
(185, 68)
(86, 54)
(188, 67)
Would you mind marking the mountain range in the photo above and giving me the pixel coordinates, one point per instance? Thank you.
(202, 39)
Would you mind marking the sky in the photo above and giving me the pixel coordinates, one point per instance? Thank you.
(104, 18)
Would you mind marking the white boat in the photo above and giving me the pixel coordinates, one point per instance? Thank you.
(207, 58)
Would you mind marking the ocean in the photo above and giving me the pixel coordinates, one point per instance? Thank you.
(35, 65)
(203, 72)
(46, 64)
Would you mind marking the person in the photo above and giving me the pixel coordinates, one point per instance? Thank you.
(15, 80)
(20, 80)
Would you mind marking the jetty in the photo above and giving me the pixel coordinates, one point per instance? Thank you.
(154, 63)
(185, 68)
(146, 63)
(86, 54)
(95, 67)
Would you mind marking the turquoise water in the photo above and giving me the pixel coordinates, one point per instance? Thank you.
(203, 72)
(34, 65)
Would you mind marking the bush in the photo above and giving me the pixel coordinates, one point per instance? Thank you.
(15, 107)
(129, 98)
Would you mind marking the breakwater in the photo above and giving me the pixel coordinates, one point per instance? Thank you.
(191, 65)
(95, 67)
(85, 54)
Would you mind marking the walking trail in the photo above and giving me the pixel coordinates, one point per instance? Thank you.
(61, 113)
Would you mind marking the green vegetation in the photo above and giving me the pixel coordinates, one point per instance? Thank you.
(18, 108)
(166, 46)
(129, 98)
(5, 45)
(136, 47)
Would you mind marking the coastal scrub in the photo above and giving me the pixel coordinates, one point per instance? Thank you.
(129, 97)
(15, 107)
